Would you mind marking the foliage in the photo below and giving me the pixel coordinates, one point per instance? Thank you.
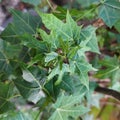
(36, 2)
(63, 110)
(43, 60)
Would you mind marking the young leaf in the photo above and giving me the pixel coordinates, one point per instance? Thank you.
(51, 56)
(67, 31)
(83, 68)
(59, 71)
(67, 106)
(51, 39)
(89, 39)
(72, 29)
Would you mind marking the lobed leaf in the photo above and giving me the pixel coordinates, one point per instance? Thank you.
(112, 69)
(65, 108)
(67, 31)
(89, 39)
(30, 86)
(109, 11)
(19, 115)
(22, 23)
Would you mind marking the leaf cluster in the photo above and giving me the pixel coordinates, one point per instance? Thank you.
(43, 60)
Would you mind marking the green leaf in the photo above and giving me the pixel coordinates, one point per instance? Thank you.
(117, 26)
(76, 14)
(116, 85)
(30, 86)
(25, 22)
(53, 23)
(32, 75)
(86, 3)
(29, 91)
(67, 31)
(83, 68)
(22, 23)
(51, 39)
(11, 51)
(5, 63)
(109, 11)
(70, 84)
(60, 71)
(34, 2)
(11, 34)
(112, 69)
(72, 28)
(67, 84)
(5, 95)
(18, 115)
(31, 42)
(51, 56)
(51, 89)
(36, 59)
(8, 53)
(89, 39)
(67, 106)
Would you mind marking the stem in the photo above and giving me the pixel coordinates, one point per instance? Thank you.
(85, 14)
(101, 111)
(109, 92)
(90, 11)
(18, 95)
(50, 4)
(37, 115)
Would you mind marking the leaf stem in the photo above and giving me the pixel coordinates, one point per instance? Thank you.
(50, 5)
(85, 14)
(17, 95)
(109, 92)
(37, 115)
